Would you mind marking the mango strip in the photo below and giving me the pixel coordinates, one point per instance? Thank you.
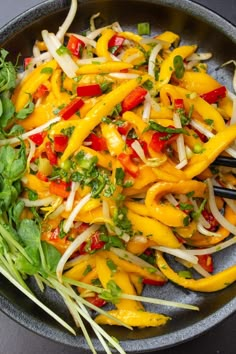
(214, 282)
(95, 115)
(102, 44)
(167, 213)
(103, 68)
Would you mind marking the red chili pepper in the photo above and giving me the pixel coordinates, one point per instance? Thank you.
(143, 144)
(135, 97)
(75, 45)
(41, 91)
(124, 128)
(89, 90)
(41, 176)
(52, 157)
(215, 95)
(127, 163)
(115, 44)
(96, 243)
(60, 142)
(27, 61)
(96, 300)
(206, 262)
(38, 138)
(153, 282)
(97, 143)
(179, 103)
(82, 249)
(71, 108)
(211, 219)
(60, 188)
(159, 141)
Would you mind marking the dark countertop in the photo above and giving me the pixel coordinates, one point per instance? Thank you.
(14, 339)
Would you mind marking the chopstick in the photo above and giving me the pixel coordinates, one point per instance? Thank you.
(220, 191)
(225, 161)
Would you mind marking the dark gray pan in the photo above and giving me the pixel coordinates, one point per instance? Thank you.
(195, 24)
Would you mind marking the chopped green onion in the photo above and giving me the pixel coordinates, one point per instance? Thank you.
(144, 28)
(62, 50)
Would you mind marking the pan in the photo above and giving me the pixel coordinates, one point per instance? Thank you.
(195, 24)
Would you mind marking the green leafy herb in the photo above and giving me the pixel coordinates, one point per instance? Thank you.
(113, 292)
(111, 265)
(119, 176)
(185, 274)
(62, 50)
(169, 130)
(26, 111)
(46, 70)
(178, 66)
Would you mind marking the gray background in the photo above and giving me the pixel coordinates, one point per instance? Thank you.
(14, 339)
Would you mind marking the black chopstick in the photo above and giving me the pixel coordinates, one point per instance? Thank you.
(225, 161)
(225, 192)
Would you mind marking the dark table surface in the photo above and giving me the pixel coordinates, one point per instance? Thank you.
(15, 339)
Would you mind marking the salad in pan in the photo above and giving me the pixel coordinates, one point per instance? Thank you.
(107, 146)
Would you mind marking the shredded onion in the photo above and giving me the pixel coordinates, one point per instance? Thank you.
(216, 213)
(199, 56)
(65, 61)
(171, 199)
(38, 202)
(134, 259)
(91, 60)
(69, 19)
(152, 59)
(77, 260)
(73, 247)
(57, 212)
(68, 223)
(92, 24)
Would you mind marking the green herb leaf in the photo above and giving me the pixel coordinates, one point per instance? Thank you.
(179, 66)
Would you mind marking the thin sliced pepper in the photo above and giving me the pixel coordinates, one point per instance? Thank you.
(60, 142)
(128, 164)
(89, 90)
(167, 213)
(115, 44)
(51, 155)
(215, 282)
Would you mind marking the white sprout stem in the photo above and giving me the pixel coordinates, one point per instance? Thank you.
(180, 144)
(152, 59)
(68, 223)
(97, 32)
(200, 270)
(86, 40)
(233, 117)
(147, 108)
(28, 134)
(68, 21)
(123, 76)
(178, 253)
(73, 247)
(38, 203)
(171, 199)
(216, 248)
(71, 197)
(199, 56)
(134, 259)
(36, 301)
(215, 211)
(92, 22)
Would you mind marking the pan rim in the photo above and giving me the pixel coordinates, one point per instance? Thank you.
(180, 336)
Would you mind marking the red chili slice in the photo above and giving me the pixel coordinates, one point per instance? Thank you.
(38, 138)
(75, 46)
(60, 142)
(60, 188)
(127, 163)
(135, 97)
(71, 108)
(89, 90)
(206, 262)
(52, 157)
(214, 95)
